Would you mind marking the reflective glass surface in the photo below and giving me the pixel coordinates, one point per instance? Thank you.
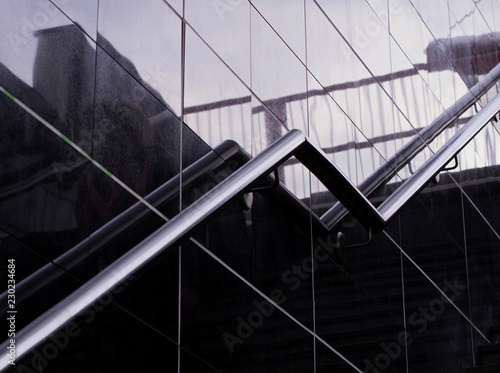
(117, 117)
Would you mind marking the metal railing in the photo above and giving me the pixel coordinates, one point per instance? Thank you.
(162, 195)
(229, 149)
(408, 151)
(294, 143)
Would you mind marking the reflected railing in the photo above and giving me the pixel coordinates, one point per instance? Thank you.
(314, 158)
(293, 143)
(206, 121)
(410, 149)
(166, 193)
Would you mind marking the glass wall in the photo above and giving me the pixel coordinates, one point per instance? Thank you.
(116, 116)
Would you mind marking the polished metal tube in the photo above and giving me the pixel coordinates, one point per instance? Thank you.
(414, 184)
(51, 271)
(178, 228)
(408, 151)
(173, 231)
(339, 185)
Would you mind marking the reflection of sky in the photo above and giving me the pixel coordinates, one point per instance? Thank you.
(149, 34)
(17, 42)
(266, 49)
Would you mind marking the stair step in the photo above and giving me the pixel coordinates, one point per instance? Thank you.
(486, 369)
(489, 354)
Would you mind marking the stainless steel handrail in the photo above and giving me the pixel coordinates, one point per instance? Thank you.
(222, 153)
(179, 227)
(173, 231)
(165, 193)
(408, 151)
(415, 183)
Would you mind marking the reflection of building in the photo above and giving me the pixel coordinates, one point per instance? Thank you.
(469, 55)
(384, 306)
(64, 74)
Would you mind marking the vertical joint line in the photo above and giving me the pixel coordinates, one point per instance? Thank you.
(183, 83)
